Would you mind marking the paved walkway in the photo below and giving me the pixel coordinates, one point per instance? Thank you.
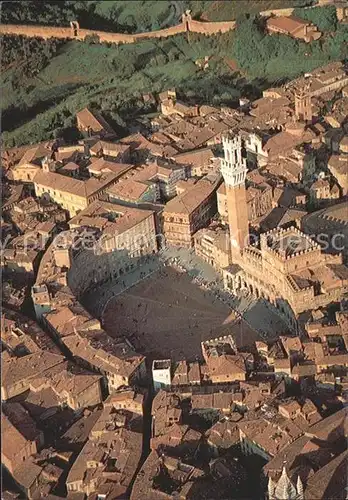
(99, 295)
(258, 314)
(166, 315)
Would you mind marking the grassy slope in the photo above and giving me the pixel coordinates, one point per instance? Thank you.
(225, 10)
(134, 15)
(164, 12)
(145, 15)
(82, 74)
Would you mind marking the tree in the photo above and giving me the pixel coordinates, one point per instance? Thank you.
(248, 47)
(123, 66)
(323, 17)
(159, 60)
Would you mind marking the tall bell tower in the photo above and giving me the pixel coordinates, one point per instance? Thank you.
(303, 104)
(233, 169)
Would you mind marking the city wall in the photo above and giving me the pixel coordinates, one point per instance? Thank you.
(210, 28)
(187, 25)
(47, 32)
(277, 12)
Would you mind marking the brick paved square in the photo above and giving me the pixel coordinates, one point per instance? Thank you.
(167, 314)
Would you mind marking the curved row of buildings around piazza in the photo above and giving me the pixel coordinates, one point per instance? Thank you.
(284, 266)
(124, 200)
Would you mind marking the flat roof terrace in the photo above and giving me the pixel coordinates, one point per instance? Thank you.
(289, 243)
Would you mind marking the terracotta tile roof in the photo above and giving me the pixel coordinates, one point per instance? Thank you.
(63, 155)
(94, 121)
(196, 137)
(95, 215)
(281, 216)
(290, 406)
(69, 167)
(284, 141)
(39, 404)
(35, 154)
(191, 199)
(281, 363)
(271, 435)
(331, 276)
(20, 425)
(127, 395)
(65, 321)
(25, 368)
(32, 335)
(329, 481)
(226, 364)
(128, 189)
(291, 344)
(183, 474)
(99, 166)
(339, 164)
(288, 24)
(109, 148)
(73, 186)
(306, 369)
(66, 379)
(119, 444)
(223, 434)
(198, 157)
(95, 348)
(180, 374)
(16, 194)
(27, 473)
(161, 138)
(139, 142)
(194, 373)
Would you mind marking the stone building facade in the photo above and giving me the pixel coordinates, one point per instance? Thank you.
(188, 212)
(71, 194)
(212, 245)
(285, 266)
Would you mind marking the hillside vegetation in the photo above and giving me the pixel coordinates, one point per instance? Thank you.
(46, 82)
(279, 56)
(133, 16)
(225, 10)
(112, 78)
(109, 15)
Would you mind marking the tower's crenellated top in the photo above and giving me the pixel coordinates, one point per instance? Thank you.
(233, 166)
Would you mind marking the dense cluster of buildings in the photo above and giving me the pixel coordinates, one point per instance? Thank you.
(259, 193)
